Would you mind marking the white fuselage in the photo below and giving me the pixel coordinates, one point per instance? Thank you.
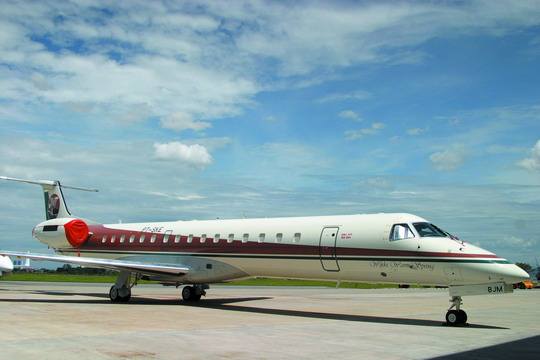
(343, 248)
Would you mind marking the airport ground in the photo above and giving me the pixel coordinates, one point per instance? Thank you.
(73, 320)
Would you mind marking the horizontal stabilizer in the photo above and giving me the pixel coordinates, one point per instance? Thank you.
(47, 183)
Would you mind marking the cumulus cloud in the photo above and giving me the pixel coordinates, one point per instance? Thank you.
(350, 114)
(360, 133)
(209, 59)
(194, 154)
(181, 121)
(532, 163)
(449, 159)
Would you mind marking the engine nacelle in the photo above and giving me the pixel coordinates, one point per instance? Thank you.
(62, 233)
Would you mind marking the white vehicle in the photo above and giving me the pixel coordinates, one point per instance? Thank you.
(389, 248)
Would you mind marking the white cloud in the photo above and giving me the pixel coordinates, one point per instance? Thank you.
(355, 95)
(449, 159)
(181, 121)
(416, 131)
(209, 59)
(182, 197)
(360, 133)
(350, 114)
(194, 154)
(532, 162)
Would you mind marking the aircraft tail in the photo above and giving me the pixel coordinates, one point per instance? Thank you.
(55, 204)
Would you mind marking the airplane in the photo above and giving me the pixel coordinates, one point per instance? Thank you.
(396, 248)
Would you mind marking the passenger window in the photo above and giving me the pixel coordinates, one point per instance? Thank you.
(231, 238)
(113, 239)
(400, 232)
(166, 238)
(245, 238)
(141, 239)
(177, 239)
(261, 237)
(216, 238)
(122, 238)
(297, 237)
(190, 238)
(279, 237)
(203, 238)
(104, 238)
(132, 238)
(153, 238)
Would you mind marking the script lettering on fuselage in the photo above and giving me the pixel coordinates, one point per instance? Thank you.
(417, 266)
(152, 229)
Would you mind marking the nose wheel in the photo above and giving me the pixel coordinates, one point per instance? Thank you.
(455, 316)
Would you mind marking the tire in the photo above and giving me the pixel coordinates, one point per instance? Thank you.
(187, 293)
(113, 294)
(462, 317)
(126, 298)
(452, 318)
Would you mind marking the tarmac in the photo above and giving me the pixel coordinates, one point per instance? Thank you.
(68, 320)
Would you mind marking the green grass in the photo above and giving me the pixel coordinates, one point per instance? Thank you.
(58, 278)
(249, 282)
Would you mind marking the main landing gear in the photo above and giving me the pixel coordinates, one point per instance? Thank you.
(121, 290)
(193, 293)
(456, 316)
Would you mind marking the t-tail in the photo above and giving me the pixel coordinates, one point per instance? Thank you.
(55, 203)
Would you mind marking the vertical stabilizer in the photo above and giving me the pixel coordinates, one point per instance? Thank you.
(55, 204)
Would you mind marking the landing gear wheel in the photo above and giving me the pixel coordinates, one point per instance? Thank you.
(452, 318)
(189, 293)
(113, 294)
(462, 317)
(456, 317)
(124, 294)
(119, 294)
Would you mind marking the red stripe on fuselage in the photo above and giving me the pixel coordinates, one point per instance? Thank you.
(237, 246)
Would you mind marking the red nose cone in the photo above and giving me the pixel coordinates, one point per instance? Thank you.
(76, 232)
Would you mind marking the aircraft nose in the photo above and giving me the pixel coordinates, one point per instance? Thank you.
(512, 274)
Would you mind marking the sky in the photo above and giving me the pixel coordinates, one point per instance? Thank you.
(206, 109)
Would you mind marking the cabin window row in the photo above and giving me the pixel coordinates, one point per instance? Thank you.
(202, 239)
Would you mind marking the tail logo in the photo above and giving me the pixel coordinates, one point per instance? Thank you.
(53, 207)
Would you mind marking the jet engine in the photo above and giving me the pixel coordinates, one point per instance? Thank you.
(62, 233)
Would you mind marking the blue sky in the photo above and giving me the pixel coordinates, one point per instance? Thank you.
(182, 110)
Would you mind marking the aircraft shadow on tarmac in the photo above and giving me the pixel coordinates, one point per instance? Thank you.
(227, 304)
(519, 349)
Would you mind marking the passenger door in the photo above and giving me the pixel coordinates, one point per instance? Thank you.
(327, 249)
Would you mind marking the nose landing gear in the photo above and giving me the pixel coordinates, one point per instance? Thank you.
(456, 316)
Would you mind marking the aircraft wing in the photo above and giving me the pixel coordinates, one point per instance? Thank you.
(119, 265)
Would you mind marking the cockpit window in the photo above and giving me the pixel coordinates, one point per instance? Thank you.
(400, 232)
(428, 230)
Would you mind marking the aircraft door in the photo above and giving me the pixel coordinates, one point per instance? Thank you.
(327, 249)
